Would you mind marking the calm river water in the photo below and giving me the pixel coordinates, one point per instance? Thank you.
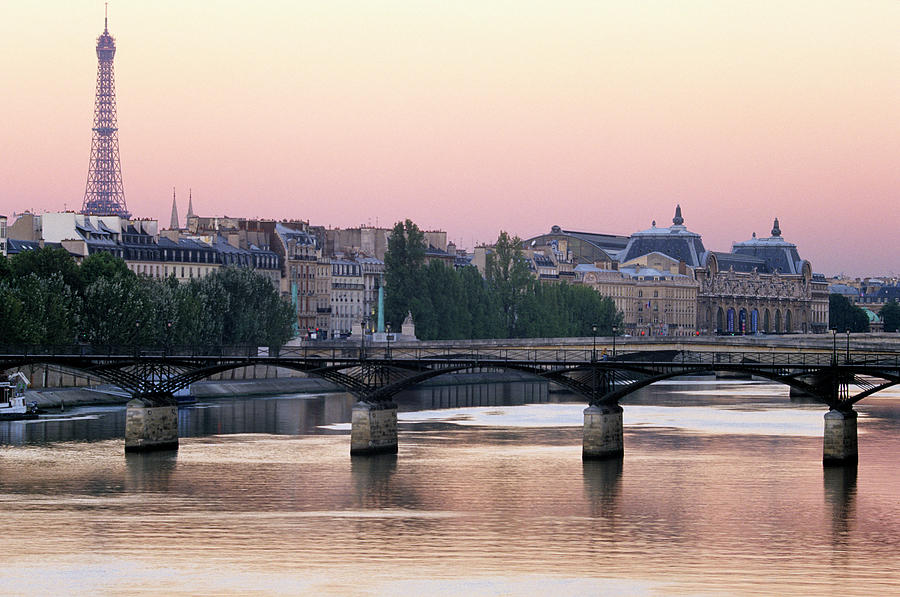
(721, 491)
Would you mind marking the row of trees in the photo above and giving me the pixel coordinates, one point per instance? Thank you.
(448, 303)
(890, 315)
(843, 315)
(46, 298)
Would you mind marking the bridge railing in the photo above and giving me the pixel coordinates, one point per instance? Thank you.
(122, 349)
(548, 356)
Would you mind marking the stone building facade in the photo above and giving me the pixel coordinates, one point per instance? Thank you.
(664, 281)
(300, 253)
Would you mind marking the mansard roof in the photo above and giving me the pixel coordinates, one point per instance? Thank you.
(299, 237)
(641, 272)
(740, 263)
(676, 241)
(586, 247)
(779, 255)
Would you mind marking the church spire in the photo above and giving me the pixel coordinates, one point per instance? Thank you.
(776, 231)
(678, 220)
(190, 212)
(173, 223)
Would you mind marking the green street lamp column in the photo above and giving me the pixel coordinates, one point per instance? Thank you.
(594, 343)
(615, 330)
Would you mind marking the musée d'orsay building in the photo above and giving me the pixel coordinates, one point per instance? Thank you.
(665, 282)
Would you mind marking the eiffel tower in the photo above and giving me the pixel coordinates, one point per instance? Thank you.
(104, 194)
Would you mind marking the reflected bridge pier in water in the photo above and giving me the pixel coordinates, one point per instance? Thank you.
(375, 376)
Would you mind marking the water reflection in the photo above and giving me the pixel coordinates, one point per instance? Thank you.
(602, 488)
(149, 472)
(463, 395)
(840, 495)
(372, 477)
(501, 506)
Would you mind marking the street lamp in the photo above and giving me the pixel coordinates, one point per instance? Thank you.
(848, 345)
(834, 345)
(594, 344)
(168, 335)
(362, 348)
(615, 330)
(388, 326)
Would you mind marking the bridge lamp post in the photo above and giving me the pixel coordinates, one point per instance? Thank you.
(388, 337)
(594, 343)
(168, 335)
(615, 330)
(848, 346)
(362, 345)
(834, 345)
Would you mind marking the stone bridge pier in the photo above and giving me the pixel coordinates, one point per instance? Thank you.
(840, 445)
(602, 436)
(373, 428)
(151, 424)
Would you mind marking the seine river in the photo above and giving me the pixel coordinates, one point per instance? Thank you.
(721, 491)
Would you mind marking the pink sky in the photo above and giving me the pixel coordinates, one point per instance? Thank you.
(477, 116)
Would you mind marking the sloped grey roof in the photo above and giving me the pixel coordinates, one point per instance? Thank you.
(843, 289)
(677, 242)
(298, 236)
(779, 255)
(741, 263)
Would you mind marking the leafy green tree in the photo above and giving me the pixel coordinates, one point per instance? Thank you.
(49, 310)
(508, 277)
(102, 265)
(11, 318)
(5, 268)
(259, 316)
(117, 311)
(440, 304)
(480, 305)
(890, 314)
(46, 262)
(844, 315)
(403, 263)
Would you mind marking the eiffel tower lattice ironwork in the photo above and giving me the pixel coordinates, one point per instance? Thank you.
(104, 194)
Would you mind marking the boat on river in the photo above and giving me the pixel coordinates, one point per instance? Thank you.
(12, 399)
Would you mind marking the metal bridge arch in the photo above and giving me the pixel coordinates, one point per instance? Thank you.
(378, 380)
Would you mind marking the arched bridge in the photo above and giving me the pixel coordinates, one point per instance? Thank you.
(836, 379)
(375, 376)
